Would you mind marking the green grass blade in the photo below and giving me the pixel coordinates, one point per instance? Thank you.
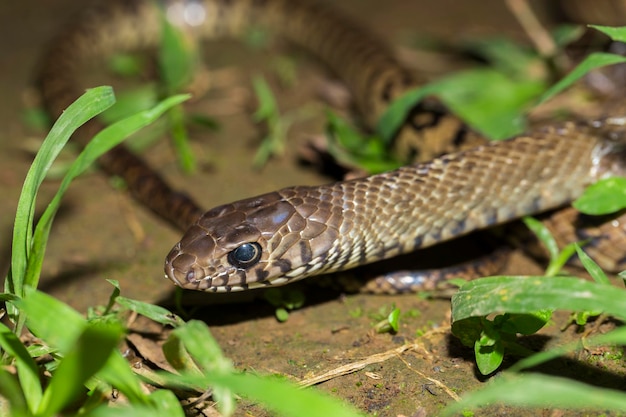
(13, 393)
(153, 312)
(90, 104)
(541, 391)
(27, 370)
(614, 337)
(118, 374)
(101, 143)
(543, 234)
(592, 61)
(284, 398)
(86, 357)
(592, 267)
(163, 403)
(526, 294)
(206, 352)
(54, 322)
(616, 33)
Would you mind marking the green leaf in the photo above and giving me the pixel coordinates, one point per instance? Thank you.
(487, 100)
(543, 234)
(130, 102)
(114, 295)
(118, 374)
(398, 110)
(56, 323)
(178, 57)
(604, 197)
(614, 337)
(557, 264)
(505, 55)
(267, 112)
(127, 65)
(489, 356)
(102, 142)
(592, 61)
(615, 33)
(529, 323)
(394, 319)
(93, 102)
(565, 34)
(541, 391)
(12, 392)
(89, 353)
(528, 294)
(558, 258)
(279, 396)
(593, 268)
(153, 312)
(351, 148)
(27, 370)
(205, 351)
(282, 315)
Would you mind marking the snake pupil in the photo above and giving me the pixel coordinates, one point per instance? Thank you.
(245, 255)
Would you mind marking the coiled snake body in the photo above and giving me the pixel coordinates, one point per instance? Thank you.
(301, 231)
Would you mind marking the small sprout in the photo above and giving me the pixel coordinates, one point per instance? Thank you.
(356, 312)
(391, 324)
(284, 299)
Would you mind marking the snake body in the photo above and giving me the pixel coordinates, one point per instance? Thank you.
(301, 231)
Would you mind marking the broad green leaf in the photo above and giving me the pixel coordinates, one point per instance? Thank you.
(529, 323)
(487, 100)
(528, 294)
(604, 197)
(489, 356)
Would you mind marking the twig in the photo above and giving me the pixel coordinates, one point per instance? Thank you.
(533, 28)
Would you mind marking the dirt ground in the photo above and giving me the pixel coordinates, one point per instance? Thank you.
(102, 234)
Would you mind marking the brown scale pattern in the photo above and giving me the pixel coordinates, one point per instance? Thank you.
(361, 221)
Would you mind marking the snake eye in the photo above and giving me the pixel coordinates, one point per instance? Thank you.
(245, 255)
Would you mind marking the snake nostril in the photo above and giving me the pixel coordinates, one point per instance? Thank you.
(191, 276)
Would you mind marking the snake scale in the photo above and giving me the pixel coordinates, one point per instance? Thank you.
(301, 231)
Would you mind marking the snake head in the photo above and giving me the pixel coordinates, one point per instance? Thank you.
(266, 240)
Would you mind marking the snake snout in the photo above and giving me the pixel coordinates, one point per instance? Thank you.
(181, 267)
(186, 271)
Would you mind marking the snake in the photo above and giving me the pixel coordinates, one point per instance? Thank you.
(302, 231)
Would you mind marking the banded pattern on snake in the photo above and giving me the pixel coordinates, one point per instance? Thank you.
(301, 231)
